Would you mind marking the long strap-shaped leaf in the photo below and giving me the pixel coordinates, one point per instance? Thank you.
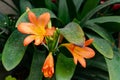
(92, 12)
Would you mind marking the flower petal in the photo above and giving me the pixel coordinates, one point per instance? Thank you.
(88, 42)
(26, 28)
(28, 40)
(38, 40)
(85, 52)
(50, 31)
(82, 61)
(44, 19)
(32, 17)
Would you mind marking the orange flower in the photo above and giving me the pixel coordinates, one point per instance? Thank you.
(79, 53)
(48, 67)
(37, 28)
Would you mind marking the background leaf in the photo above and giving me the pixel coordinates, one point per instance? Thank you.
(13, 51)
(63, 12)
(101, 31)
(102, 46)
(63, 70)
(110, 23)
(88, 6)
(36, 66)
(77, 4)
(114, 66)
(24, 4)
(96, 9)
(73, 33)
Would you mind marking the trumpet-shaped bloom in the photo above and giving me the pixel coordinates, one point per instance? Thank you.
(37, 28)
(80, 53)
(48, 67)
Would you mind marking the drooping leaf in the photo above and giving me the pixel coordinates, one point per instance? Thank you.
(88, 6)
(64, 68)
(105, 19)
(72, 7)
(77, 4)
(92, 12)
(24, 4)
(50, 5)
(114, 66)
(98, 62)
(102, 46)
(101, 31)
(37, 11)
(63, 12)
(36, 66)
(13, 51)
(111, 23)
(73, 33)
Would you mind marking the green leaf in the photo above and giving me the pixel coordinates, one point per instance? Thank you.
(24, 4)
(77, 4)
(102, 46)
(92, 12)
(97, 62)
(101, 31)
(36, 66)
(50, 5)
(114, 66)
(110, 23)
(37, 11)
(64, 68)
(72, 7)
(105, 19)
(63, 12)
(73, 33)
(88, 6)
(13, 51)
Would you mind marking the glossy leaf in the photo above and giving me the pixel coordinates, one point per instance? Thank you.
(101, 31)
(24, 4)
(95, 10)
(102, 46)
(50, 5)
(64, 68)
(63, 12)
(13, 51)
(114, 66)
(72, 7)
(110, 23)
(77, 4)
(98, 62)
(88, 6)
(73, 33)
(105, 19)
(38, 11)
(36, 66)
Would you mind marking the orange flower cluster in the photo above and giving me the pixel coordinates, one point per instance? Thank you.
(37, 28)
(79, 53)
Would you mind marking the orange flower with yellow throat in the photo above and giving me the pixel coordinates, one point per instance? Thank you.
(80, 53)
(37, 28)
